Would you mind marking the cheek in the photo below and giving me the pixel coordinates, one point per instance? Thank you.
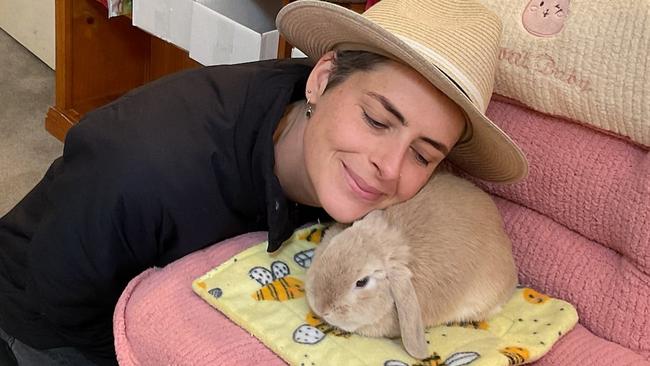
(311, 146)
(325, 134)
(411, 182)
(317, 148)
(381, 303)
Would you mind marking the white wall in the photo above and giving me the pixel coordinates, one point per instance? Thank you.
(31, 22)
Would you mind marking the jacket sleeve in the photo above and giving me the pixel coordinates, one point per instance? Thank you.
(102, 228)
(107, 219)
(135, 188)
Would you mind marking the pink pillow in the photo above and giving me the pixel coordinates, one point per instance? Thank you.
(580, 222)
(593, 183)
(159, 320)
(581, 347)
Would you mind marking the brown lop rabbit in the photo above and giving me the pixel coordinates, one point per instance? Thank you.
(442, 256)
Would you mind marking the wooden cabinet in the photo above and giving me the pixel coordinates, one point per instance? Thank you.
(98, 59)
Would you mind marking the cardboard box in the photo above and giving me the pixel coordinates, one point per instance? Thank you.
(227, 31)
(170, 20)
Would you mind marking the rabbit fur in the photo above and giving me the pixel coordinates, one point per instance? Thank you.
(440, 257)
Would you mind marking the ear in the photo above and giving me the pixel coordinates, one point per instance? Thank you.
(408, 312)
(319, 76)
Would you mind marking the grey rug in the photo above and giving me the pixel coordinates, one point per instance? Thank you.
(26, 149)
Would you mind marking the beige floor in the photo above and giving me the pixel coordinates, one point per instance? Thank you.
(26, 149)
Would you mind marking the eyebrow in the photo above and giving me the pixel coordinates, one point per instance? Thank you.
(443, 149)
(388, 105)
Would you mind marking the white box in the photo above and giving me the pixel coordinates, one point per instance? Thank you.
(227, 31)
(170, 20)
(297, 53)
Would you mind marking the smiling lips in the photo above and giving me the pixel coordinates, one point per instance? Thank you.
(360, 187)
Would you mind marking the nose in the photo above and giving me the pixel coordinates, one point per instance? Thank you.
(388, 160)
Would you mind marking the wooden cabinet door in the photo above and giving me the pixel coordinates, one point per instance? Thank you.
(98, 59)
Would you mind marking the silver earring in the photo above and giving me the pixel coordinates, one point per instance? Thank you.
(309, 110)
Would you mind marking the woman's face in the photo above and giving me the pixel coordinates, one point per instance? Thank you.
(375, 139)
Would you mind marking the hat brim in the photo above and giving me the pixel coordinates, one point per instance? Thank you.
(316, 27)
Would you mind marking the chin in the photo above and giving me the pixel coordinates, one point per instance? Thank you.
(385, 326)
(344, 215)
(342, 206)
(343, 325)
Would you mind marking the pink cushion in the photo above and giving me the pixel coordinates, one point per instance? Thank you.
(590, 182)
(581, 347)
(160, 321)
(580, 223)
(602, 287)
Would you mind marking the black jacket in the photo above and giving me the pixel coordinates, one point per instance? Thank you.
(165, 170)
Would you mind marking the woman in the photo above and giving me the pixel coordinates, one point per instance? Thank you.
(201, 156)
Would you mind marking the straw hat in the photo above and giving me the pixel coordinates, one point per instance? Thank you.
(452, 43)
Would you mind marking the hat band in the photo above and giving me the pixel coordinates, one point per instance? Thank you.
(458, 77)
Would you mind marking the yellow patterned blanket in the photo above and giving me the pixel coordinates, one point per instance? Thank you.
(264, 294)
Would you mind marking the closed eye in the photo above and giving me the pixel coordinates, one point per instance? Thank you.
(420, 158)
(373, 123)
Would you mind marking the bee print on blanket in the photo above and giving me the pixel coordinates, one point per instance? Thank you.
(313, 236)
(315, 330)
(304, 258)
(534, 297)
(515, 355)
(276, 283)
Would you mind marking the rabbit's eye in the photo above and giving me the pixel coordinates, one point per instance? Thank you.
(363, 282)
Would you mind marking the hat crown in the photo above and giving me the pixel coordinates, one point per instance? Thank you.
(454, 44)
(460, 37)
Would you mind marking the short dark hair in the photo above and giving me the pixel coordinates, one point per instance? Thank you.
(346, 63)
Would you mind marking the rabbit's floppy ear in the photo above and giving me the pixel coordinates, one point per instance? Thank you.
(408, 312)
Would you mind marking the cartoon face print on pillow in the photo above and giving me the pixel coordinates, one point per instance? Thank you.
(545, 18)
